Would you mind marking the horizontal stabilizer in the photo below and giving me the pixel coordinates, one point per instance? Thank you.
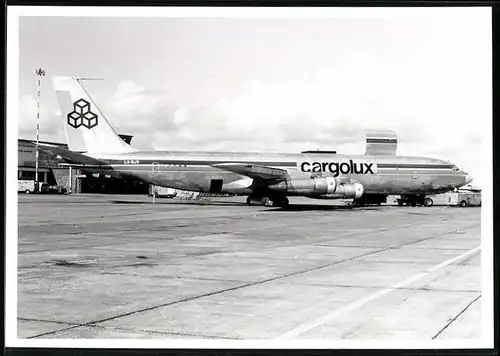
(70, 156)
(254, 171)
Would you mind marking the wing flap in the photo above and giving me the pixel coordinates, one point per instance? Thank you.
(254, 171)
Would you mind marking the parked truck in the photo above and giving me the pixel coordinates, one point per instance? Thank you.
(461, 198)
(25, 186)
(464, 198)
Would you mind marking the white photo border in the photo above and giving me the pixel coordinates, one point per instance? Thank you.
(13, 15)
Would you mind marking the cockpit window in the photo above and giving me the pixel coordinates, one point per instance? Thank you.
(455, 168)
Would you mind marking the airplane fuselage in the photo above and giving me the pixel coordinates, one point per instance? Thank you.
(194, 171)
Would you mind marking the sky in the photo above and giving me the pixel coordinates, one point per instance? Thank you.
(268, 84)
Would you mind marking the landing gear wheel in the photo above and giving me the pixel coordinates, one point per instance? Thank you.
(284, 202)
(280, 202)
(428, 202)
(267, 202)
(249, 200)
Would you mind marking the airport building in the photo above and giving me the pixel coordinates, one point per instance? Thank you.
(51, 172)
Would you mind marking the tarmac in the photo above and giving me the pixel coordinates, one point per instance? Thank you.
(107, 266)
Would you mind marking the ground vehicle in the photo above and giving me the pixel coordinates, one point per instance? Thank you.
(56, 189)
(52, 189)
(465, 198)
(457, 198)
(161, 192)
(44, 188)
(26, 186)
(425, 201)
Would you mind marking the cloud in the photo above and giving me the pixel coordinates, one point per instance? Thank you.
(334, 108)
(137, 110)
(50, 127)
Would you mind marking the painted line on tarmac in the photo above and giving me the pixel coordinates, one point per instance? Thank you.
(360, 302)
(456, 317)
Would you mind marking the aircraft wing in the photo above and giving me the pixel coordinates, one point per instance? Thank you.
(254, 171)
(70, 156)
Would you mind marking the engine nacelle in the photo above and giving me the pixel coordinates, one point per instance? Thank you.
(307, 186)
(347, 191)
(320, 187)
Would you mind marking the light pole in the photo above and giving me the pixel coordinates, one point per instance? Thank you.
(39, 72)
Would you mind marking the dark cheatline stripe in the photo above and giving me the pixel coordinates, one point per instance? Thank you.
(414, 165)
(273, 164)
(200, 162)
(381, 140)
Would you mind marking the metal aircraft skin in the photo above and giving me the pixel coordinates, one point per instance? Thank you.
(95, 146)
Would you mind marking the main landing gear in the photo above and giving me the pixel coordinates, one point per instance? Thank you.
(414, 200)
(275, 201)
(371, 199)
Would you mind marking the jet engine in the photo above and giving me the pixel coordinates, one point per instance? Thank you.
(305, 186)
(347, 191)
(321, 187)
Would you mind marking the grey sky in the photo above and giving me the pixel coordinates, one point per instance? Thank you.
(271, 84)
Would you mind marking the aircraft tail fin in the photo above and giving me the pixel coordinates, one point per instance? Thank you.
(86, 128)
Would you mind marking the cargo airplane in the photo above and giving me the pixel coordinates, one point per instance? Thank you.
(266, 178)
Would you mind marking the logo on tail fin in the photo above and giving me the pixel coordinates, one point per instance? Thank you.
(81, 115)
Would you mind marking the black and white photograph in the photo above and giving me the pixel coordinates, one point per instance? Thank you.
(249, 177)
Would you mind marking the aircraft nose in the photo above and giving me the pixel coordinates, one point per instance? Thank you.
(468, 179)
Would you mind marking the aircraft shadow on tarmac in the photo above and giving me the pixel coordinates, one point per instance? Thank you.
(180, 202)
(291, 207)
(311, 207)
